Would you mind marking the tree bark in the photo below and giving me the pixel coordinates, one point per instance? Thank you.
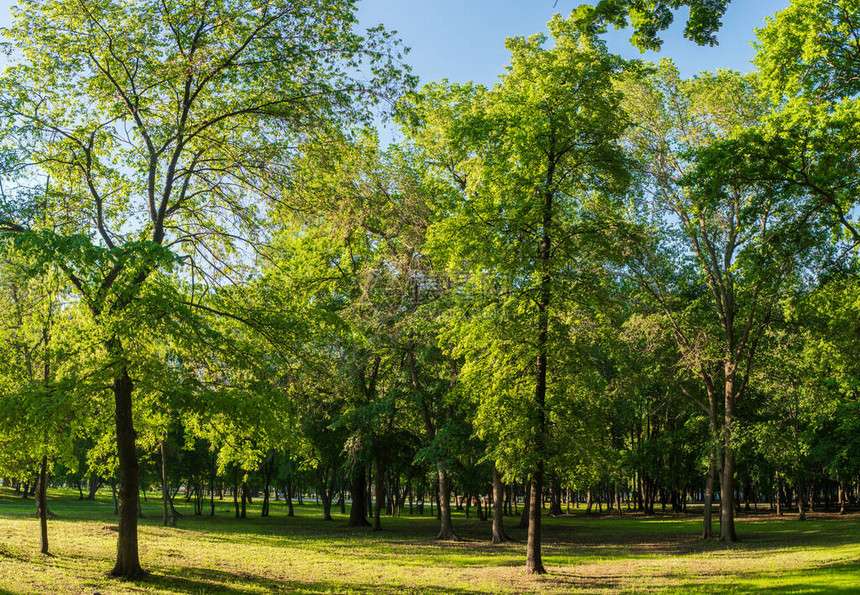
(499, 535)
(289, 497)
(707, 526)
(446, 530)
(127, 557)
(524, 518)
(42, 505)
(379, 489)
(534, 563)
(165, 490)
(358, 512)
(727, 483)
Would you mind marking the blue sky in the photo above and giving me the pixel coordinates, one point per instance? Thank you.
(463, 40)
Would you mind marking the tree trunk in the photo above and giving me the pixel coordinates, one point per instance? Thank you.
(127, 557)
(268, 481)
(707, 526)
(236, 490)
(358, 512)
(524, 518)
(379, 489)
(212, 487)
(95, 484)
(42, 505)
(534, 563)
(165, 490)
(244, 513)
(727, 481)
(446, 530)
(801, 512)
(289, 496)
(499, 535)
(555, 499)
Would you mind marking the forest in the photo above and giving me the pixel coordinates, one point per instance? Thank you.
(594, 284)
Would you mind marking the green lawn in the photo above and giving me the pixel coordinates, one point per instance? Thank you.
(306, 555)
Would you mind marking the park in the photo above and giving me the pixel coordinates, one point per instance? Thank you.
(378, 296)
(597, 553)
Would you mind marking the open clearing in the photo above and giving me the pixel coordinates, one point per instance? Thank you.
(304, 554)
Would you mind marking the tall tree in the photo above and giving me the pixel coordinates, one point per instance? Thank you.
(738, 239)
(161, 126)
(532, 160)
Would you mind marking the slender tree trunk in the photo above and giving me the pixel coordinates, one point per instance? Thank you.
(42, 505)
(801, 512)
(534, 563)
(236, 490)
(499, 535)
(244, 512)
(127, 557)
(524, 518)
(212, 488)
(446, 530)
(778, 494)
(165, 490)
(379, 489)
(707, 526)
(289, 497)
(327, 495)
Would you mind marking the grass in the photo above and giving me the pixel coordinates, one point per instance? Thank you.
(304, 554)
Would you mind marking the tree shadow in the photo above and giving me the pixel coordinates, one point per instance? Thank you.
(199, 580)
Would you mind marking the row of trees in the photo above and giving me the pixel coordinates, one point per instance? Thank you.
(594, 275)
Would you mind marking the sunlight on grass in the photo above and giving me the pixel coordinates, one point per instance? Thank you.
(305, 554)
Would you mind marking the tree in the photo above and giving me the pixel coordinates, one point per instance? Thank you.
(160, 127)
(531, 160)
(740, 240)
(650, 17)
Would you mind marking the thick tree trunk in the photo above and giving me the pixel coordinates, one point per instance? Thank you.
(358, 512)
(95, 484)
(127, 557)
(42, 505)
(534, 563)
(499, 535)
(446, 530)
(555, 499)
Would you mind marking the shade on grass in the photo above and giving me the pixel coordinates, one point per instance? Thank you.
(304, 554)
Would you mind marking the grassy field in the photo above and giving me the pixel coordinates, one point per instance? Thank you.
(306, 555)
